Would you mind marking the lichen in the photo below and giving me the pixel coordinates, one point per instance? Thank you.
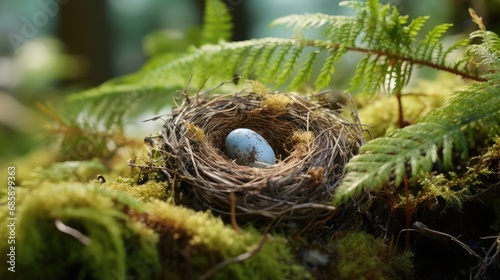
(258, 88)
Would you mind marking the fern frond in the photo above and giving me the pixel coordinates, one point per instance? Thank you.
(264, 62)
(306, 21)
(250, 61)
(328, 68)
(217, 23)
(415, 25)
(279, 58)
(386, 39)
(289, 65)
(82, 136)
(443, 129)
(488, 51)
(389, 53)
(489, 48)
(305, 71)
(427, 48)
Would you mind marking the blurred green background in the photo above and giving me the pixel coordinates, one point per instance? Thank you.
(52, 48)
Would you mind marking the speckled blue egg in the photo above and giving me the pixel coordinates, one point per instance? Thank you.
(249, 148)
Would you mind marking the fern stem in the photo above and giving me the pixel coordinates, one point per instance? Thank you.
(396, 56)
(400, 110)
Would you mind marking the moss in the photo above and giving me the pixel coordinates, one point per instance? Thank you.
(146, 168)
(258, 88)
(121, 236)
(362, 256)
(118, 246)
(302, 139)
(26, 164)
(484, 169)
(146, 192)
(207, 242)
(277, 102)
(437, 186)
(66, 171)
(478, 182)
(194, 131)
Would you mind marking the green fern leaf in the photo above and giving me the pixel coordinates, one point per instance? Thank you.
(415, 25)
(287, 69)
(488, 50)
(276, 64)
(388, 46)
(305, 71)
(217, 23)
(264, 63)
(415, 148)
(306, 21)
(457, 45)
(441, 129)
(431, 42)
(328, 68)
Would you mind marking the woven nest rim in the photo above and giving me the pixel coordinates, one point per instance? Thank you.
(312, 144)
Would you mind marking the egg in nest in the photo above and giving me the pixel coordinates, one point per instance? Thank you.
(249, 148)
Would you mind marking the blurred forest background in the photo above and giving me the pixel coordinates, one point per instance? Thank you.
(52, 48)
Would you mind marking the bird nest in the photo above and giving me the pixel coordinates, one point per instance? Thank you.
(312, 145)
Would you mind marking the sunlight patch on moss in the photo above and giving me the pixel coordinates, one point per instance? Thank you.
(129, 238)
(146, 192)
(381, 112)
(435, 186)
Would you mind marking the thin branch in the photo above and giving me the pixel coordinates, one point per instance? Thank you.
(234, 224)
(426, 231)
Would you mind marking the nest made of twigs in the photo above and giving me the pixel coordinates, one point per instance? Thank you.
(312, 145)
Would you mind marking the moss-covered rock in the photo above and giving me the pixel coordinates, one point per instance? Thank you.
(146, 192)
(90, 231)
(76, 231)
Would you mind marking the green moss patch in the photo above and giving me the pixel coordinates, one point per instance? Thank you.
(362, 256)
(90, 231)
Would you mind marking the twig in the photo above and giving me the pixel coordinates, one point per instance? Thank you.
(426, 231)
(234, 224)
(73, 232)
(488, 260)
(219, 85)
